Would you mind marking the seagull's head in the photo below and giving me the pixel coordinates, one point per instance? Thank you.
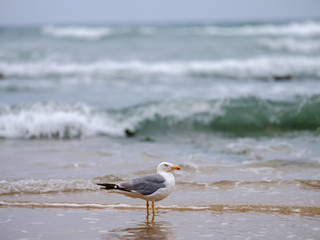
(166, 167)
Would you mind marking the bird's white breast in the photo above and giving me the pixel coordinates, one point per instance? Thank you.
(164, 192)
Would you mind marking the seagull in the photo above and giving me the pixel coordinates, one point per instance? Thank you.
(154, 187)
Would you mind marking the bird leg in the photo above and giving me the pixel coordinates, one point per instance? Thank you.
(147, 207)
(153, 208)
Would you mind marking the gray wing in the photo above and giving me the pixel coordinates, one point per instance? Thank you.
(144, 185)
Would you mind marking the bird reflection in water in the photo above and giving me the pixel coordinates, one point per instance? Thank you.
(144, 230)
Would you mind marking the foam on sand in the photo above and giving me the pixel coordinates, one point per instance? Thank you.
(302, 210)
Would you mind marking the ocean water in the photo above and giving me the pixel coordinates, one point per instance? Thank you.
(236, 105)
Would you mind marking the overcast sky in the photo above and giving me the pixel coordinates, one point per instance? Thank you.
(26, 12)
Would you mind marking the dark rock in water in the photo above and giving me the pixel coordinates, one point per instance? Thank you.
(129, 133)
(282, 78)
(148, 139)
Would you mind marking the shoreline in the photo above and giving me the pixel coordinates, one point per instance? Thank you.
(223, 208)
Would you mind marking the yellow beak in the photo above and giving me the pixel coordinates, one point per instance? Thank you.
(175, 168)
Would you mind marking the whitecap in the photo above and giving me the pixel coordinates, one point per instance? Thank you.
(36, 186)
(51, 120)
(77, 32)
(301, 29)
(294, 45)
(264, 67)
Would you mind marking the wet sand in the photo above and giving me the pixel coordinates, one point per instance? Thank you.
(218, 222)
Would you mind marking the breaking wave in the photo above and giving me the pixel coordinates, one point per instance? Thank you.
(45, 186)
(93, 33)
(252, 68)
(39, 186)
(300, 29)
(297, 29)
(240, 116)
(227, 184)
(76, 32)
(294, 45)
(50, 120)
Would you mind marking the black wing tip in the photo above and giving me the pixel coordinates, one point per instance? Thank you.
(107, 185)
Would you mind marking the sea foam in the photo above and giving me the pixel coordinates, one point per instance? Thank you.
(37, 186)
(52, 120)
(294, 45)
(77, 32)
(252, 68)
(300, 29)
(222, 208)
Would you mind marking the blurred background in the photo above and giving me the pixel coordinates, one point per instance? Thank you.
(101, 68)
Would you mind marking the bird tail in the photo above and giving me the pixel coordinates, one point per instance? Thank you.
(114, 186)
(108, 185)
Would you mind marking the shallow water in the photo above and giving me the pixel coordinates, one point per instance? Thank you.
(52, 184)
(133, 224)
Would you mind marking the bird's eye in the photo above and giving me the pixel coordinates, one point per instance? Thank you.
(166, 165)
